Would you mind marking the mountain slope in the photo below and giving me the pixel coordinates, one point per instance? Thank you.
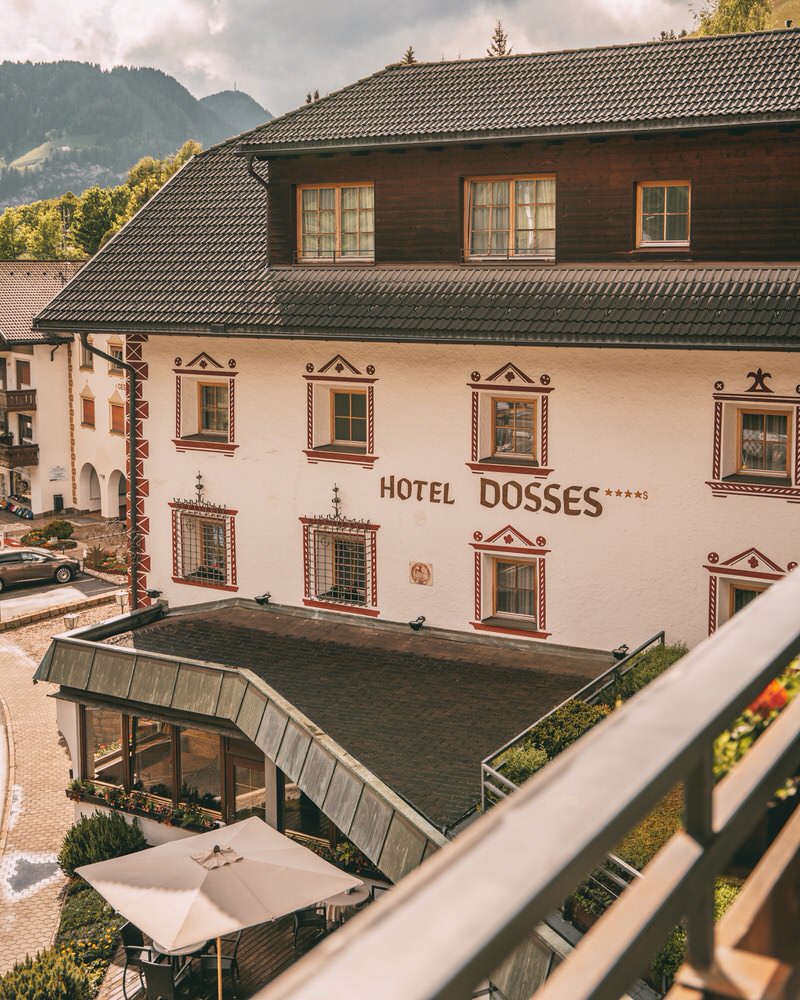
(71, 124)
(239, 109)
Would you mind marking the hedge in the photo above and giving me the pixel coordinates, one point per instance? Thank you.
(97, 838)
(649, 667)
(52, 975)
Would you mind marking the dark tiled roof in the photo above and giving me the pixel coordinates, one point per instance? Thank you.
(185, 257)
(420, 712)
(684, 83)
(26, 287)
(622, 305)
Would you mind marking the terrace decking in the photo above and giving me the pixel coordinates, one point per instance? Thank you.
(265, 951)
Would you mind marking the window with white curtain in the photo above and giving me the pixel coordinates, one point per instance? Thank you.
(336, 222)
(511, 217)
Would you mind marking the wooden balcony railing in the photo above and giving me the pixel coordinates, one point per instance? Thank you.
(14, 456)
(450, 923)
(14, 400)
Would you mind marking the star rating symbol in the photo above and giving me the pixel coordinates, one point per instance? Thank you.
(628, 494)
(618, 493)
(609, 493)
(638, 494)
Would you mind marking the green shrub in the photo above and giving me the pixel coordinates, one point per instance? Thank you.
(57, 529)
(561, 728)
(652, 664)
(96, 556)
(521, 761)
(97, 838)
(52, 975)
(648, 836)
(671, 956)
(34, 537)
(82, 909)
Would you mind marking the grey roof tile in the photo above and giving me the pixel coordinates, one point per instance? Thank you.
(685, 82)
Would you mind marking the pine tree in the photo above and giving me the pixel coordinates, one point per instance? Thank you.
(499, 46)
(308, 98)
(729, 17)
(316, 95)
(409, 56)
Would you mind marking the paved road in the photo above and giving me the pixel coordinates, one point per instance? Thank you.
(29, 598)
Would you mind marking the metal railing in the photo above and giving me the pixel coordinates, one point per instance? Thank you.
(491, 774)
(447, 925)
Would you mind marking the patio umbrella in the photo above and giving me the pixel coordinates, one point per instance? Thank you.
(215, 883)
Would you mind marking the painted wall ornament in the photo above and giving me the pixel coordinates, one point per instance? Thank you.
(759, 378)
(420, 573)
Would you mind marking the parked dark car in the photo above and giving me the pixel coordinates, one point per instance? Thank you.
(27, 565)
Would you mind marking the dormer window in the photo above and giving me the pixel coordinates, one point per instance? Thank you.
(511, 217)
(336, 222)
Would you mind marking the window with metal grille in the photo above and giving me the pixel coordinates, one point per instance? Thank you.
(203, 544)
(340, 561)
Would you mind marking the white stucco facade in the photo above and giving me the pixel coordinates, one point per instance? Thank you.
(99, 451)
(626, 524)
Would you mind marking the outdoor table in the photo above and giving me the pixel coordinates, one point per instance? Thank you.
(338, 907)
(176, 952)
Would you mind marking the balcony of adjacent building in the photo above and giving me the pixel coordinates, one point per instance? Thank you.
(17, 447)
(17, 400)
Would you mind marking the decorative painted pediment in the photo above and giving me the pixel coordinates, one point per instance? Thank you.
(86, 392)
(340, 365)
(509, 536)
(753, 560)
(116, 398)
(203, 361)
(510, 374)
(759, 383)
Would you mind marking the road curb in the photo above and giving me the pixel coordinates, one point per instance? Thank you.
(56, 612)
(11, 767)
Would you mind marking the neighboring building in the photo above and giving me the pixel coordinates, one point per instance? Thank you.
(507, 344)
(50, 461)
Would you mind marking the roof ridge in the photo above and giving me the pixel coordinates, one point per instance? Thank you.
(710, 39)
(303, 108)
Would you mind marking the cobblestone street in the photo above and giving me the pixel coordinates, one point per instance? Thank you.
(34, 812)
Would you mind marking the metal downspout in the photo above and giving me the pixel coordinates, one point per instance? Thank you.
(133, 485)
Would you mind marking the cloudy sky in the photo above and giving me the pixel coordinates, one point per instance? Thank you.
(277, 51)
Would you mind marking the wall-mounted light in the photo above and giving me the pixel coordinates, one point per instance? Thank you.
(263, 600)
(417, 624)
(620, 652)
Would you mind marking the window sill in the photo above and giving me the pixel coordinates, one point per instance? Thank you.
(509, 626)
(210, 584)
(351, 609)
(519, 466)
(762, 486)
(116, 371)
(334, 453)
(203, 442)
(89, 427)
(86, 368)
(118, 434)
(335, 261)
(514, 260)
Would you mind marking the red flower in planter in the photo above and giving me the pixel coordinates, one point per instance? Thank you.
(771, 699)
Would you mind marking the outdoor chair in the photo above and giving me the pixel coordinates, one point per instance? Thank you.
(162, 981)
(136, 952)
(311, 916)
(228, 960)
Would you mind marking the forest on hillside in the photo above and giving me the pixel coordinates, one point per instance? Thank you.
(73, 227)
(71, 125)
